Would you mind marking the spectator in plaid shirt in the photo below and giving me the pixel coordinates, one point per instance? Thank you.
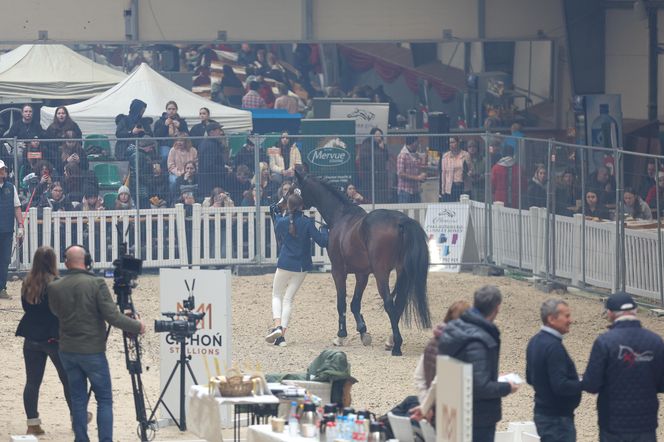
(410, 174)
(252, 99)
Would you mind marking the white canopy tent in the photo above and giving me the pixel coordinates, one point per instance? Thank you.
(97, 115)
(53, 72)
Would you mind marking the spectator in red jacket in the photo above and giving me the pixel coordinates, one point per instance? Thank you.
(506, 177)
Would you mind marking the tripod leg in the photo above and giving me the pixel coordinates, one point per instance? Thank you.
(161, 397)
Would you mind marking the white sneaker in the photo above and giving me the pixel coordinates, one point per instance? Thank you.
(274, 334)
(280, 341)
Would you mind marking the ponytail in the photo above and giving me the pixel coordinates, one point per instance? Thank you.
(295, 204)
(291, 225)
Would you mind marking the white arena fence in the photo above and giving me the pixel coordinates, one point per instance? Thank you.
(540, 240)
(170, 238)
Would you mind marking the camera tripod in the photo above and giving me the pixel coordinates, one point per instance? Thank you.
(181, 364)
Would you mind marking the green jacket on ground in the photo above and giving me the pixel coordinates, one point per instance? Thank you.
(83, 304)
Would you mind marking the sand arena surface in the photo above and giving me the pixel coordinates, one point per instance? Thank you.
(384, 380)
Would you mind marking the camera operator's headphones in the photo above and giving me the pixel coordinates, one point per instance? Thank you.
(87, 260)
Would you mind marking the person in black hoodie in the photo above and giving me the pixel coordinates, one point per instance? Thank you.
(474, 339)
(39, 327)
(626, 368)
(552, 373)
(130, 127)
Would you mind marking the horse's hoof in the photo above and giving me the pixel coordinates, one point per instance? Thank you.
(389, 344)
(396, 352)
(339, 342)
(366, 339)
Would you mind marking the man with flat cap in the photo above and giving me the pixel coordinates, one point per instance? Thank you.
(83, 305)
(626, 368)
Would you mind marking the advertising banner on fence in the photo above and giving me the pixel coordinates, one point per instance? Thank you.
(454, 400)
(329, 156)
(366, 116)
(210, 346)
(446, 226)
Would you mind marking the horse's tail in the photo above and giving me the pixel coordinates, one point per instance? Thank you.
(412, 280)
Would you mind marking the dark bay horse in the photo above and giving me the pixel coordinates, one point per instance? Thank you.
(378, 242)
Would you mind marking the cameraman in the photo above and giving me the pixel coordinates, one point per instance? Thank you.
(83, 303)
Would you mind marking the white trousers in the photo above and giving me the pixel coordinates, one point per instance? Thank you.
(284, 287)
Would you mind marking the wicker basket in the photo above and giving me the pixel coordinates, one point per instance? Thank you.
(235, 386)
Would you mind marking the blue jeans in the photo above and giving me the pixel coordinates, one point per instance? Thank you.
(35, 355)
(6, 240)
(405, 198)
(555, 428)
(80, 367)
(605, 436)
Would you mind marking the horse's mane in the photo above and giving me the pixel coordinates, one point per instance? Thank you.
(348, 205)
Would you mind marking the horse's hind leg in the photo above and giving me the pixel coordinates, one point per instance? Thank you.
(391, 308)
(398, 307)
(340, 284)
(356, 306)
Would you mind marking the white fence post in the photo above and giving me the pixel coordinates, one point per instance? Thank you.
(181, 234)
(196, 235)
(497, 228)
(577, 252)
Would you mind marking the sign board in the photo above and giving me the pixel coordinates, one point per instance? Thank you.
(212, 294)
(454, 400)
(446, 226)
(329, 156)
(366, 116)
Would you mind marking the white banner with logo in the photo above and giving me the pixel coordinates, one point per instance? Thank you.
(366, 116)
(210, 347)
(454, 400)
(446, 226)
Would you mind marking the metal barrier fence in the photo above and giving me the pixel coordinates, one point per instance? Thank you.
(554, 209)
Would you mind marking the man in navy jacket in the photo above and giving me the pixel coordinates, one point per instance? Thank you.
(626, 368)
(552, 373)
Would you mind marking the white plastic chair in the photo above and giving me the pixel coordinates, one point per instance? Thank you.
(401, 427)
(428, 431)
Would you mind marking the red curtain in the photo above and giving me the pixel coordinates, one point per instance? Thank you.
(361, 62)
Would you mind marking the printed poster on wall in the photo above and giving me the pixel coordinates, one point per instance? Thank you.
(446, 226)
(210, 346)
(366, 116)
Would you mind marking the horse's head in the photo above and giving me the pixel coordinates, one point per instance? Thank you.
(305, 192)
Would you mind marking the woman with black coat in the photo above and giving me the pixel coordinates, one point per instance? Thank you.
(39, 326)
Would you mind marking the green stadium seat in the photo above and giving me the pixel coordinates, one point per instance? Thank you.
(109, 200)
(108, 176)
(235, 142)
(97, 146)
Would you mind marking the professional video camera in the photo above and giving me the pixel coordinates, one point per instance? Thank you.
(125, 272)
(182, 324)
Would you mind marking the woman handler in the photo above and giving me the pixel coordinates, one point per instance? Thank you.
(294, 233)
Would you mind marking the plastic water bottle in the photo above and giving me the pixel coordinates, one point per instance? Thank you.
(292, 420)
(331, 432)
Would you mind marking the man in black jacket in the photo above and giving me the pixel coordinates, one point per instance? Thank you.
(552, 373)
(626, 368)
(474, 338)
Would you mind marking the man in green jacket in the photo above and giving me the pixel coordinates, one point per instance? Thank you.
(83, 305)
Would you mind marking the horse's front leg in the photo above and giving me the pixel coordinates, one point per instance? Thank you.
(356, 306)
(340, 284)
